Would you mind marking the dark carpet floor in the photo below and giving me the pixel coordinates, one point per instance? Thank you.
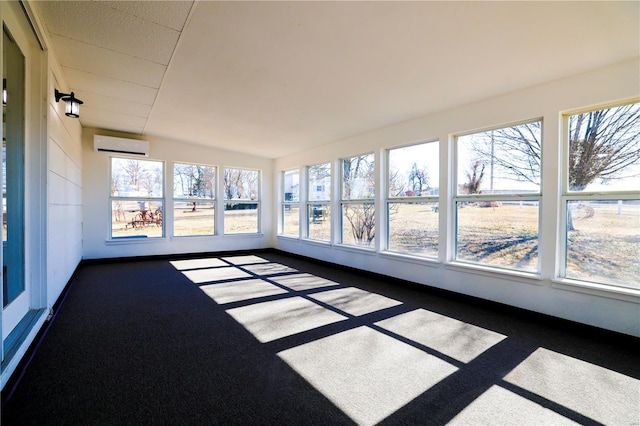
(142, 343)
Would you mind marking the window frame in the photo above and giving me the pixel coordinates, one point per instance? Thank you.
(257, 201)
(161, 199)
(212, 201)
(389, 199)
(289, 204)
(344, 202)
(520, 197)
(567, 196)
(325, 203)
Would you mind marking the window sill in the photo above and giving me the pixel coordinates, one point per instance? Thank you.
(525, 277)
(405, 257)
(319, 243)
(248, 234)
(602, 290)
(288, 237)
(356, 249)
(134, 240)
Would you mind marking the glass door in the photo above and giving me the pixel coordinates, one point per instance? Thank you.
(15, 301)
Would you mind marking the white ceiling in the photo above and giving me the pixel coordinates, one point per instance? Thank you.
(273, 78)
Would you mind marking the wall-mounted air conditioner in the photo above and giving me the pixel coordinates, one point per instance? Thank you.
(120, 145)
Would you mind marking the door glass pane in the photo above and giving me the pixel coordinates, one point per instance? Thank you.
(13, 172)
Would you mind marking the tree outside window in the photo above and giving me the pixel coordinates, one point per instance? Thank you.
(358, 204)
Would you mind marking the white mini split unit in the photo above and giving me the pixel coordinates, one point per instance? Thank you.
(120, 145)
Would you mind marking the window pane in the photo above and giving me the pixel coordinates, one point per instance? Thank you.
(194, 181)
(413, 228)
(604, 150)
(358, 224)
(319, 222)
(241, 218)
(136, 218)
(320, 182)
(414, 170)
(500, 161)
(292, 185)
(240, 184)
(499, 234)
(358, 177)
(193, 218)
(603, 241)
(136, 178)
(291, 220)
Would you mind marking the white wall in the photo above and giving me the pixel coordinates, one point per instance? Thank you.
(545, 294)
(64, 189)
(97, 214)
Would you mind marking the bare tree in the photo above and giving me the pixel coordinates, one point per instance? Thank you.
(397, 186)
(136, 172)
(418, 179)
(603, 144)
(362, 220)
(233, 183)
(474, 178)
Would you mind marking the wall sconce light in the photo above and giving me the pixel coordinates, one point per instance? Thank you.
(4, 92)
(73, 103)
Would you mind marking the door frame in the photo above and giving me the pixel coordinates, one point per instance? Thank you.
(19, 19)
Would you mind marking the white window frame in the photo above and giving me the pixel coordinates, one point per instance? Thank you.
(194, 199)
(356, 201)
(408, 200)
(568, 196)
(162, 199)
(289, 204)
(256, 201)
(477, 198)
(324, 203)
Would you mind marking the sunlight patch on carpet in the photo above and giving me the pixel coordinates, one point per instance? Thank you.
(454, 338)
(273, 320)
(596, 392)
(268, 268)
(302, 282)
(182, 265)
(365, 373)
(245, 260)
(236, 291)
(498, 406)
(355, 301)
(199, 276)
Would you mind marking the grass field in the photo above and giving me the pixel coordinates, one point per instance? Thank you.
(605, 244)
(187, 222)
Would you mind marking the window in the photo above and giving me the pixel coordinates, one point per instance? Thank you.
(497, 200)
(358, 213)
(193, 199)
(291, 203)
(137, 188)
(412, 200)
(602, 196)
(319, 202)
(242, 201)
